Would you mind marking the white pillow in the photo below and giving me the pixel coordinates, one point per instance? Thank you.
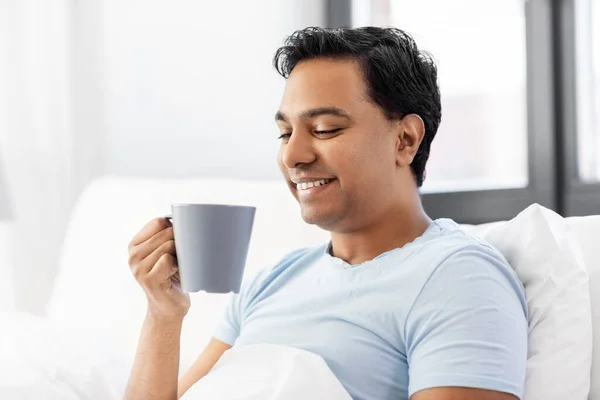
(268, 372)
(543, 250)
(587, 229)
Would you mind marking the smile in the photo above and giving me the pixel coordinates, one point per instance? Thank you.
(307, 185)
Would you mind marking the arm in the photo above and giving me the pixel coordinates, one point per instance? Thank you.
(156, 365)
(154, 266)
(458, 393)
(209, 357)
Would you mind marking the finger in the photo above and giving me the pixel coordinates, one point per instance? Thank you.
(149, 230)
(176, 280)
(176, 277)
(149, 262)
(146, 248)
(164, 268)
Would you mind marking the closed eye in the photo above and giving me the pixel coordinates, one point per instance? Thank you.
(329, 132)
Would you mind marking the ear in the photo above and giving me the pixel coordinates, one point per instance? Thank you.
(411, 130)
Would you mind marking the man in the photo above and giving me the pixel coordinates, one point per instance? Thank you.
(398, 305)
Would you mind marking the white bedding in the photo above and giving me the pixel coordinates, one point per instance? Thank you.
(268, 372)
(42, 360)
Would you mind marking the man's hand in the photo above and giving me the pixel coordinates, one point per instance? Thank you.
(460, 393)
(154, 266)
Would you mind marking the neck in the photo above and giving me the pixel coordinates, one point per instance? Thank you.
(394, 229)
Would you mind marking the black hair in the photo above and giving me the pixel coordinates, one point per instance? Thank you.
(401, 78)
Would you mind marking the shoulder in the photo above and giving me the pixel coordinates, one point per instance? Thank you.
(460, 262)
(450, 235)
(469, 267)
(459, 250)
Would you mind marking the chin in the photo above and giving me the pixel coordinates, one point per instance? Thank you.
(324, 219)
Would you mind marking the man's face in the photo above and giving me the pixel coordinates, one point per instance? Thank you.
(338, 151)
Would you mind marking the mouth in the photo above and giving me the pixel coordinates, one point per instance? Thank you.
(305, 188)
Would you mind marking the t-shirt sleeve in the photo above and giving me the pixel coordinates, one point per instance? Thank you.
(468, 326)
(228, 326)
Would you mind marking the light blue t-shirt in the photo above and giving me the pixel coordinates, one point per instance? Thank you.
(443, 310)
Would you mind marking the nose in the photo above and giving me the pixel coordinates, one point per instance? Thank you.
(298, 150)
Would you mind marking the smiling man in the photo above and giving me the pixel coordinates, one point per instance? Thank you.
(399, 306)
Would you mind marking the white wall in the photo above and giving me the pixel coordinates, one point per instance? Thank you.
(51, 133)
(190, 86)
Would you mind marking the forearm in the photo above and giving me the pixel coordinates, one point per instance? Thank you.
(156, 366)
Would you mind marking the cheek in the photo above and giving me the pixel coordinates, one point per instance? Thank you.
(344, 162)
(372, 157)
(372, 169)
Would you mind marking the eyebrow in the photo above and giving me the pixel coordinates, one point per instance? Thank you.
(315, 112)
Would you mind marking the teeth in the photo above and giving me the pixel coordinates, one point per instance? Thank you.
(308, 185)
